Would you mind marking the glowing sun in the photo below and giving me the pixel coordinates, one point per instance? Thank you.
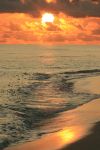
(48, 17)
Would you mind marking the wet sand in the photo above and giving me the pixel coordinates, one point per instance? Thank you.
(80, 127)
(90, 142)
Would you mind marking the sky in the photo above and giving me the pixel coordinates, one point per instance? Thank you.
(75, 22)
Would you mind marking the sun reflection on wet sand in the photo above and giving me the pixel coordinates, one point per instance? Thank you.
(67, 135)
(71, 134)
(54, 140)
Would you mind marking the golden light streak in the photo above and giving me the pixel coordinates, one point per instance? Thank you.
(51, 1)
(23, 1)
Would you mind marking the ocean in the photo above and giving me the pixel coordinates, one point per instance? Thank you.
(37, 83)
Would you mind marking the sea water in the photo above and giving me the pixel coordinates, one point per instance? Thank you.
(37, 83)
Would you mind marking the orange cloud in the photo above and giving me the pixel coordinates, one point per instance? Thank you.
(22, 28)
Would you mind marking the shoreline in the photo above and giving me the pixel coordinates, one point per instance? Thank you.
(76, 125)
(78, 129)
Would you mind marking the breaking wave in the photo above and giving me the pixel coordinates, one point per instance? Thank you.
(43, 96)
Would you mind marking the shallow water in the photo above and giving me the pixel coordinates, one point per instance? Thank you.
(37, 83)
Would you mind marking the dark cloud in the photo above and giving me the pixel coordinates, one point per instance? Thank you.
(96, 31)
(75, 8)
(91, 38)
(16, 6)
(11, 6)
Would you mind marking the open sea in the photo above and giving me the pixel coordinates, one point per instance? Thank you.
(37, 83)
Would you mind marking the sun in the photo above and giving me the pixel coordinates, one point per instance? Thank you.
(48, 17)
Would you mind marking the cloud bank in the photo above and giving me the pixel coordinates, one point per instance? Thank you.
(74, 8)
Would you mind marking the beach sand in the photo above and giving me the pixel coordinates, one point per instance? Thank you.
(90, 142)
(80, 126)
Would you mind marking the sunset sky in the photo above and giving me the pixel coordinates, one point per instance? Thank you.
(73, 22)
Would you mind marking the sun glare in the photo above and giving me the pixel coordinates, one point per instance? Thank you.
(47, 17)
